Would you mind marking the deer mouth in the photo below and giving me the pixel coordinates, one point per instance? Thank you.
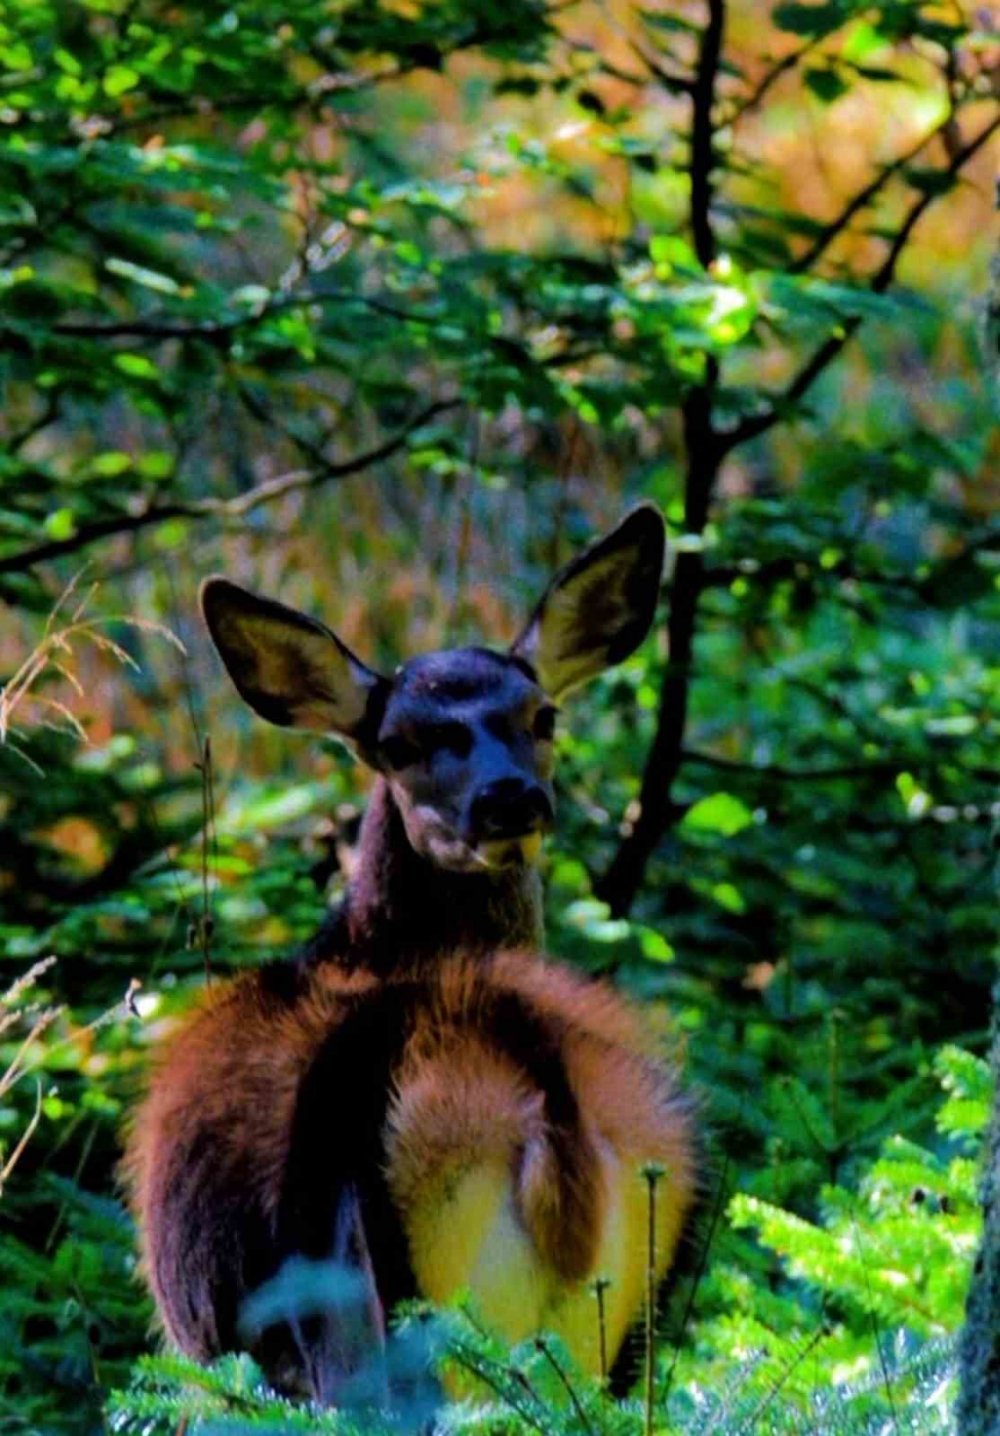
(511, 852)
(447, 848)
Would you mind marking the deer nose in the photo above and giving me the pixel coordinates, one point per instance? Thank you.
(509, 808)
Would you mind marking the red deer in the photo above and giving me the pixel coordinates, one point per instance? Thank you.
(421, 1096)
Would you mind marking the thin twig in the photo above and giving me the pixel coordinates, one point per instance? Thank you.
(876, 1328)
(779, 68)
(794, 775)
(652, 1173)
(750, 1425)
(34, 426)
(220, 331)
(717, 1207)
(864, 196)
(599, 1286)
(235, 508)
(755, 425)
(206, 925)
(542, 1345)
(670, 80)
(475, 1365)
(25, 1138)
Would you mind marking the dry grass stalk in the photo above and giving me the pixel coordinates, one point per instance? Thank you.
(66, 624)
(39, 1019)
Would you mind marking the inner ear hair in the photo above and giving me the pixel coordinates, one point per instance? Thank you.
(599, 607)
(290, 668)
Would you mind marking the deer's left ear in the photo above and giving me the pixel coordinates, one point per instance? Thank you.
(599, 608)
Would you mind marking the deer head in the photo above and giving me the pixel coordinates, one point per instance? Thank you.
(463, 736)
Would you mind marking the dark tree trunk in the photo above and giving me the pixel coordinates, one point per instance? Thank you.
(979, 1348)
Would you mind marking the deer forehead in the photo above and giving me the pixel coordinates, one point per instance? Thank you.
(463, 684)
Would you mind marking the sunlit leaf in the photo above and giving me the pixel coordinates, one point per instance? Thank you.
(720, 813)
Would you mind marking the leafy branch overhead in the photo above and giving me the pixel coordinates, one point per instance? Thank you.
(133, 205)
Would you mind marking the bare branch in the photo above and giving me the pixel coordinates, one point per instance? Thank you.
(671, 81)
(605, 67)
(878, 283)
(885, 274)
(883, 768)
(770, 77)
(703, 133)
(34, 426)
(864, 197)
(323, 472)
(217, 331)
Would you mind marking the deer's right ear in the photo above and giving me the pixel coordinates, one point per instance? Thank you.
(291, 669)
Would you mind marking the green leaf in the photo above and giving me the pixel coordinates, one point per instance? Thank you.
(930, 181)
(825, 84)
(156, 464)
(671, 23)
(60, 524)
(15, 56)
(591, 101)
(654, 945)
(139, 274)
(671, 250)
(593, 918)
(863, 40)
(119, 79)
(110, 464)
(136, 366)
(721, 813)
(67, 62)
(728, 896)
(813, 21)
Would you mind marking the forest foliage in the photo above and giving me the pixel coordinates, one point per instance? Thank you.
(384, 309)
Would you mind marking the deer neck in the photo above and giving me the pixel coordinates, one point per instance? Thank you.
(401, 910)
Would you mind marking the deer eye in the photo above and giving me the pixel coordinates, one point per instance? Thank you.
(399, 752)
(448, 737)
(544, 726)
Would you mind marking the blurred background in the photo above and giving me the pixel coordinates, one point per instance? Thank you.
(385, 310)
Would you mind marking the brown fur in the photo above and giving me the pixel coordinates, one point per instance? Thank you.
(207, 1158)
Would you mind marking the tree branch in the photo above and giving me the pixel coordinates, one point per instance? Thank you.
(864, 197)
(703, 132)
(47, 416)
(329, 85)
(794, 566)
(779, 68)
(657, 809)
(878, 283)
(783, 773)
(672, 82)
(217, 331)
(706, 447)
(234, 508)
